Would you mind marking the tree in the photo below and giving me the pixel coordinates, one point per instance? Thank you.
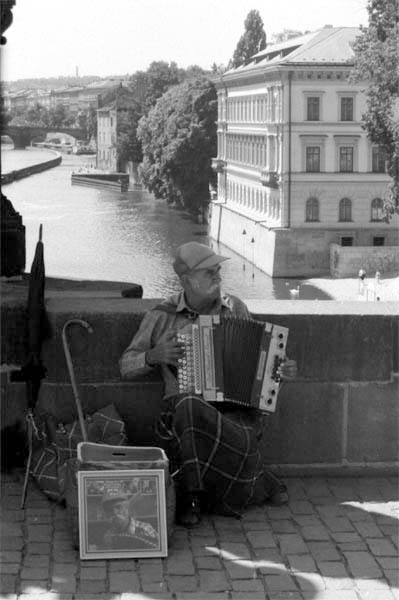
(377, 64)
(252, 41)
(178, 137)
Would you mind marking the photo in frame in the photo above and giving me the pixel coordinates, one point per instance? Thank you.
(122, 514)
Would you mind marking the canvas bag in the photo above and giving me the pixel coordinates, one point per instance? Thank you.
(54, 445)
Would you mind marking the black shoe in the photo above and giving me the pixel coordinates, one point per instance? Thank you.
(279, 497)
(190, 511)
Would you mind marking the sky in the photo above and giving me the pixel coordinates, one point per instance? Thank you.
(117, 37)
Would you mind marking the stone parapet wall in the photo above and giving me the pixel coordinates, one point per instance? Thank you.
(346, 261)
(340, 413)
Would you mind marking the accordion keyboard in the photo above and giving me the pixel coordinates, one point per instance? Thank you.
(188, 372)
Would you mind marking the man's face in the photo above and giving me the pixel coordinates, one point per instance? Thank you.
(205, 283)
(120, 514)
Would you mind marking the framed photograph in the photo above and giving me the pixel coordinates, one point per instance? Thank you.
(122, 514)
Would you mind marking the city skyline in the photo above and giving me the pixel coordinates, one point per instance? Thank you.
(63, 36)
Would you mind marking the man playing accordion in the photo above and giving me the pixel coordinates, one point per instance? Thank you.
(214, 447)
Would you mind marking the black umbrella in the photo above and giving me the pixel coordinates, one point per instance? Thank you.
(33, 370)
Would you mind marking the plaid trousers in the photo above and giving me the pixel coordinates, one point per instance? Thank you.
(216, 454)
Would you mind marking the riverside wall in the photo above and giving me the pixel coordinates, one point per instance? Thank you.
(340, 415)
(31, 169)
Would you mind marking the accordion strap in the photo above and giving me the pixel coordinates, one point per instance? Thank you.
(169, 308)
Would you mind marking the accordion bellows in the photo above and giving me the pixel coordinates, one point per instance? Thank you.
(234, 360)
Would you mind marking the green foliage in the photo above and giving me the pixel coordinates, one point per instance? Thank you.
(178, 137)
(252, 41)
(377, 64)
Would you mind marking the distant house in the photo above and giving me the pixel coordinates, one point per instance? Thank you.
(300, 186)
(107, 159)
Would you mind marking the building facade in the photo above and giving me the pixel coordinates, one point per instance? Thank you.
(106, 138)
(297, 175)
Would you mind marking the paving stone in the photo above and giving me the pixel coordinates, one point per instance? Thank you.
(310, 581)
(10, 568)
(237, 550)
(331, 595)
(268, 560)
(248, 585)
(302, 562)
(213, 581)
(261, 539)
(318, 533)
(376, 595)
(388, 562)
(33, 573)
(323, 551)
(182, 583)
(11, 543)
(64, 583)
(285, 596)
(381, 547)
(180, 563)
(92, 587)
(10, 556)
(93, 573)
(301, 507)
(336, 524)
(292, 543)
(369, 530)
(352, 546)
(280, 583)
(392, 577)
(124, 581)
(36, 560)
(283, 526)
(362, 565)
(157, 587)
(208, 563)
(345, 537)
(243, 569)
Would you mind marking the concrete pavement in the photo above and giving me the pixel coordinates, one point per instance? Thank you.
(336, 540)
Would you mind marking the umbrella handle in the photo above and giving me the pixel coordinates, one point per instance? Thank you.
(71, 371)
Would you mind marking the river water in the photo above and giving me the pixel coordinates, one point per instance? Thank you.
(130, 237)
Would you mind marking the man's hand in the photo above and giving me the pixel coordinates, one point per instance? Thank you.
(168, 351)
(288, 369)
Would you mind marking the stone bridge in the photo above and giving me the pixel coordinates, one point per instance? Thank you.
(22, 135)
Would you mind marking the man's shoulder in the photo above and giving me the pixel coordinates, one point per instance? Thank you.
(235, 304)
(168, 305)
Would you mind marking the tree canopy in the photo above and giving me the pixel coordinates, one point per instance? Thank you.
(377, 64)
(252, 41)
(178, 137)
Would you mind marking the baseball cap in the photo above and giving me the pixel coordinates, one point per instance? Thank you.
(192, 256)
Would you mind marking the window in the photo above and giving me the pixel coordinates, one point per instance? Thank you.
(313, 159)
(377, 207)
(312, 210)
(378, 160)
(347, 241)
(346, 159)
(345, 210)
(347, 109)
(378, 241)
(313, 112)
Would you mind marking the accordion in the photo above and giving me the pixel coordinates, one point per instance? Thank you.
(232, 360)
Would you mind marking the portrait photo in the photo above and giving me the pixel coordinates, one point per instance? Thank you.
(122, 514)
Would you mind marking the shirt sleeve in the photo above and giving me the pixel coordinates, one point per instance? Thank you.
(132, 362)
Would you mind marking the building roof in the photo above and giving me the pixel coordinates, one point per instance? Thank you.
(330, 45)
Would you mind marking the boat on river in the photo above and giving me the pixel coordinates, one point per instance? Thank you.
(113, 181)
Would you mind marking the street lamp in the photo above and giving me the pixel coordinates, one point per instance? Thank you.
(244, 233)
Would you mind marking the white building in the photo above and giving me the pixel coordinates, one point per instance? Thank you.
(296, 171)
(106, 138)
